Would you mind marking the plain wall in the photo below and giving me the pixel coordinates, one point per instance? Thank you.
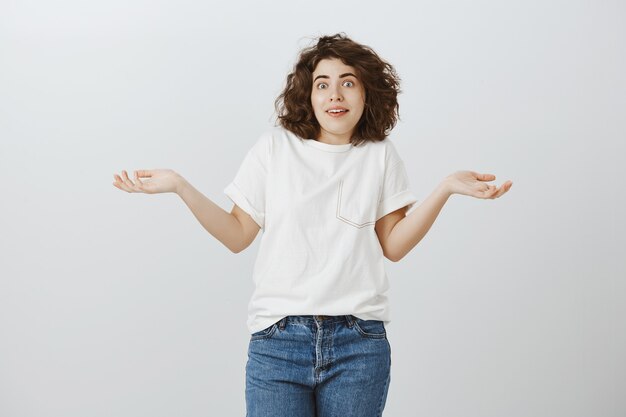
(117, 304)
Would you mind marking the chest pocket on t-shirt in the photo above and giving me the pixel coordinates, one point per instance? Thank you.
(357, 202)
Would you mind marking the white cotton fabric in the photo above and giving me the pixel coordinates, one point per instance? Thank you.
(317, 205)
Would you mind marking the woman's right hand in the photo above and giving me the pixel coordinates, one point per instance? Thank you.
(159, 181)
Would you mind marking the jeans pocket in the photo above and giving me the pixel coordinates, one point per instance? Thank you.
(265, 333)
(373, 329)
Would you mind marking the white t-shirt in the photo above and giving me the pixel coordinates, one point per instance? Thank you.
(317, 205)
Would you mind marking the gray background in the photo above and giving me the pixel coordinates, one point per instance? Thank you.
(117, 304)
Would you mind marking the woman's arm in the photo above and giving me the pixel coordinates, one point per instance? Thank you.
(232, 229)
(409, 230)
(224, 226)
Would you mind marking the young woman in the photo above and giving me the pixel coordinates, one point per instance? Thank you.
(332, 196)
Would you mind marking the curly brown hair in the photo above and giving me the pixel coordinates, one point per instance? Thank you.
(379, 78)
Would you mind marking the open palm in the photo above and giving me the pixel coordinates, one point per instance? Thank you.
(474, 184)
(158, 181)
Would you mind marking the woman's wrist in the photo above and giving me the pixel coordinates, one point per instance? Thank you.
(446, 187)
(180, 184)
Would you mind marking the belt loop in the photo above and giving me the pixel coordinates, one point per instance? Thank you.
(350, 321)
(281, 324)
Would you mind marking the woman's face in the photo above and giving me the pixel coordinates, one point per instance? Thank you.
(336, 85)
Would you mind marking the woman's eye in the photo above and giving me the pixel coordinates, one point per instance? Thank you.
(324, 84)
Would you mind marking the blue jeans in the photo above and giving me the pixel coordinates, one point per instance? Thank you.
(318, 366)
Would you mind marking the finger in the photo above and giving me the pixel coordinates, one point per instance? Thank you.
(138, 181)
(120, 183)
(505, 187)
(483, 177)
(144, 173)
(118, 180)
(137, 184)
(127, 180)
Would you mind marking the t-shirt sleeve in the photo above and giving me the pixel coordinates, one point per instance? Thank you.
(395, 189)
(248, 188)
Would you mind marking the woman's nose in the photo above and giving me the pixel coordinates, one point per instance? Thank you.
(333, 91)
(335, 95)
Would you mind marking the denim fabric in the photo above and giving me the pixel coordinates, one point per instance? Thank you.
(318, 366)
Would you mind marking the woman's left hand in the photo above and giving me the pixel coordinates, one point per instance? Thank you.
(474, 184)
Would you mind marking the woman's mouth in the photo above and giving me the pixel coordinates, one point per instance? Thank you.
(334, 113)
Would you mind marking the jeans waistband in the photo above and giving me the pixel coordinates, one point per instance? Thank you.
(311, 319)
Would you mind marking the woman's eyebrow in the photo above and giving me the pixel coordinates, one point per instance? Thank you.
(341, 76)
